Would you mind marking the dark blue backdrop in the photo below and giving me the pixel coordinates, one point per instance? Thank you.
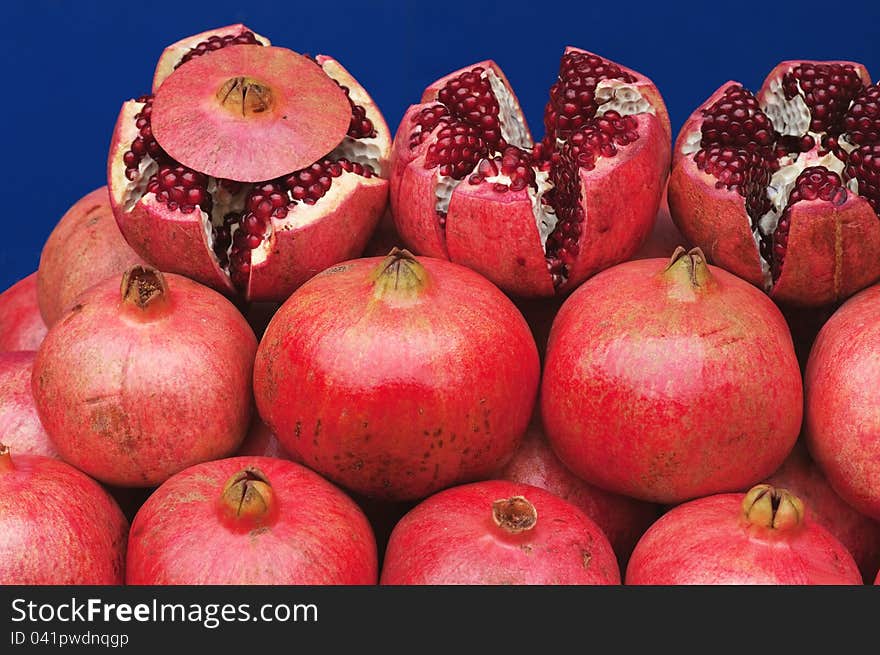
(70, 65)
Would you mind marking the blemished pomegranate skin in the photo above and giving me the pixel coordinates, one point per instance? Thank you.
(396, 377)
(57, 525)
(21, 325)
(20, 425)
(497, 532)
(763, 537)
(250, 520)
(670, 380)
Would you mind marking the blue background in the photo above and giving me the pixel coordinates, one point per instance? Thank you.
(70, 65)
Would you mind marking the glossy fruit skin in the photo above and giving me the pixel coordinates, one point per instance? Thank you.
(665, 387)
(21, 326)
(58, 526)
(859, 533)
(842, 409)
(131, 397)
(623, 520)
(707, 541)
(20, 427)
(85, 247)
(319, 536)
(397, 394)
(450, 538)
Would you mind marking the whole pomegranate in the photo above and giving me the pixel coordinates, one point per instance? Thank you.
(667, 381)
(497, 532)
(623, 520)
(136, 383)
(20, 426)
(260, 442)
(57, 525)
(469, 185)
(397, 376)
(842, 408)
(21, 326)
(84, 248)
(250, 520)
(765, 536)
(251, 167)
(781, 188)
(860, 534)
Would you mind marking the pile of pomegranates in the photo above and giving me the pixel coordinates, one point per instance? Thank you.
(275, 349)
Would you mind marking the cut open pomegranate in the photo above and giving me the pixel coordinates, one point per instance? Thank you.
(783, 187)
(468, 183)
(251, 167)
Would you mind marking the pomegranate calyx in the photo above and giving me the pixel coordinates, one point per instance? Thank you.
(245, 95)
(143, 288)
(770, 507)
(247, 497)
(514, 515)
(688, 267)
(5, 458)
(400, 274)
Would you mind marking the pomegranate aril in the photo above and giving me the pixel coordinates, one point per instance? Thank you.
(427, 119)
(214, 43)
(144, 143)
(863, 165)
(827, 89)
(469, 98)
(360, 127)
(735, 120)
(457, 149)
(862, 122)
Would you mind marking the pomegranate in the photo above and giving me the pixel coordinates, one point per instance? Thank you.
(860, 534)
(623, 520)
(498, 532)
(21, 326)
(842, 409)
(250, 520)
(664, 238)
(57, 525)
(469, 185)
(135, 384)
(667, 381)
(397, 376)
(251, 167)
(84, 248)
(20, 425)
(764, 536)
(781, 187)
(260, 442)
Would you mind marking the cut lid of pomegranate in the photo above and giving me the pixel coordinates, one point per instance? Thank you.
(265, 111)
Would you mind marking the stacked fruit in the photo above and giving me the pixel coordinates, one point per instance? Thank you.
(231, 367)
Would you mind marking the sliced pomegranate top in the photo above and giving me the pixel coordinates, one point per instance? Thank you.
(249, 113)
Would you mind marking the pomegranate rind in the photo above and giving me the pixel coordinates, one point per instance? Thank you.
(83, 248)
(832, 252)
(21, 325)
(416, 218)
(20, 425)
(172, 55)
(314, 237)
(307, 117)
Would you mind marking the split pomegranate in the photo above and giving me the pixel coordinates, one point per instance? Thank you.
(397, 376)
(469, 185)
(136, 383)
(20, 425)
(84, 248)
(57, 525)
(670, 380)
(498, 533)
(21, 326)
(250, 520)
(251, 167)
(781, 188)
(860, 534)
(842, 409)
(623, 520)
(765, 536)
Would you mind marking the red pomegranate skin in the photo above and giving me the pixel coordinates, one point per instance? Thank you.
(860, 534)
(622, 519)
(315, 534)
(670, 381)
(21, 326)
(398, 377)
(708, 541)
(451, 538)
(57, 525)
(260, 442)
(131, 396)
(842, 409)
(20, 426)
